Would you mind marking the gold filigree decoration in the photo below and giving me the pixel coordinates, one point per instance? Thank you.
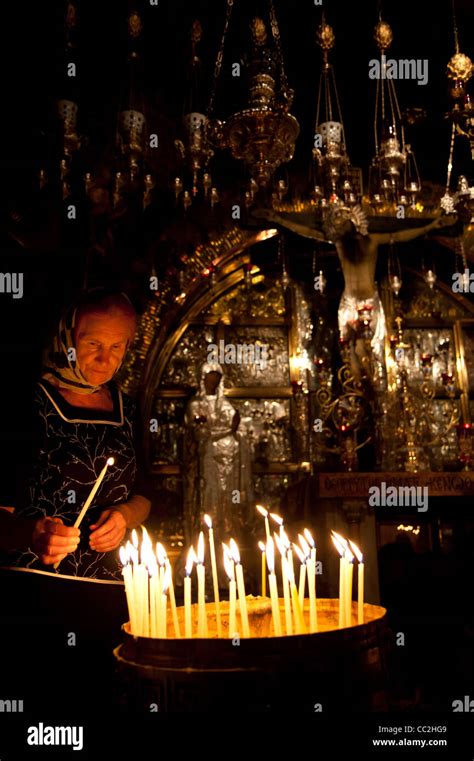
(460, 67)
(383, 35)
(135, 26)
(325, 37)
(258, 31)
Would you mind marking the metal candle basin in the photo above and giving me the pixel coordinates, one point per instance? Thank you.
(331, 670)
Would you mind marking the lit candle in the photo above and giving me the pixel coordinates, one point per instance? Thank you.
(161, 558)
(91, 496)
(208, 522)
(201, 574)
(174, 611)
(349, 557)
(137, 579)
(264, 512)
(342, 571)
(241, 588)
(153, 585)
(313, 609)
(145, 550)
(277, 518)
(302, 581)
(165, 586)
(360, 582)
(273, 587)
(188, 629)
(93, 492)
(297, 612)
(229, 569)
(128, 581)
(287, 545)
(264, 569)
(286, 591)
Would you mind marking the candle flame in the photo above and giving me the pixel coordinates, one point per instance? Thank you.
(304, 545)
(135, 539)
(228, 563)
(300, 554)
(160, 553)
(146, 537)
(284, 538)
(262, 510)
(279, 544)
(190, 561)
(289, 572)
(271, 555)
(340, 539)
(348, 555)
(234, 550)
(166, 579)
(261, 546)
(123, 555)
(356, 551)
(110, 461)
(339, 547)
(308, 536)
(200, 550)
(277, 518)
(208, 520)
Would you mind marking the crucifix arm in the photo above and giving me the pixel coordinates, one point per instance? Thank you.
(403, 236)
(304, 230)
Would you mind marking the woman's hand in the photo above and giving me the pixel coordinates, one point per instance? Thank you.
(52, 540)
(109, 531)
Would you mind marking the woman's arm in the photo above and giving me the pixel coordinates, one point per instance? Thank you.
(48, 537)
(135, 511)
(109, 531)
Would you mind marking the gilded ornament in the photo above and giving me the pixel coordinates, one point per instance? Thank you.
(134, 25)
(325, 37)
(460, 67)
(258, 31)
(383, 35)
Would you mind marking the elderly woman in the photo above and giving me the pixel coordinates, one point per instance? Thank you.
(80, 419)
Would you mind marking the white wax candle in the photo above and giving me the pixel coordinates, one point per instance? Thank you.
(360, 593)
(174, 612)
(187, 607)
(242, 600)
(275, 604)
(190, 560)
(215, 582)
(348, 591)
(153, 619)
(163, 620)
(202, 621)
(232, 608)
(286, 596)
(144, 603)
(313, 618)
(342, 597)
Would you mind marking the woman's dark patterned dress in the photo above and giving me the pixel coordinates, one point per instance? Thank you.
(73, 445)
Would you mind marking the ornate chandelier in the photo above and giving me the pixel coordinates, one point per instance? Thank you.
(393, 175)
(262, 135)
(195, 150)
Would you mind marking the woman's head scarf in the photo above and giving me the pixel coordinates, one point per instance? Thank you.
(61, 364)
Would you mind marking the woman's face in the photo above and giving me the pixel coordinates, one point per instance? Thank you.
(101, 340)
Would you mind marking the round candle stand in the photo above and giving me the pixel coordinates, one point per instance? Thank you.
(333, 669)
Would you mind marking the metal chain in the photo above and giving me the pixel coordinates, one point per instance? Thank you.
(450, 160)
(276, 37)
(220, 56)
